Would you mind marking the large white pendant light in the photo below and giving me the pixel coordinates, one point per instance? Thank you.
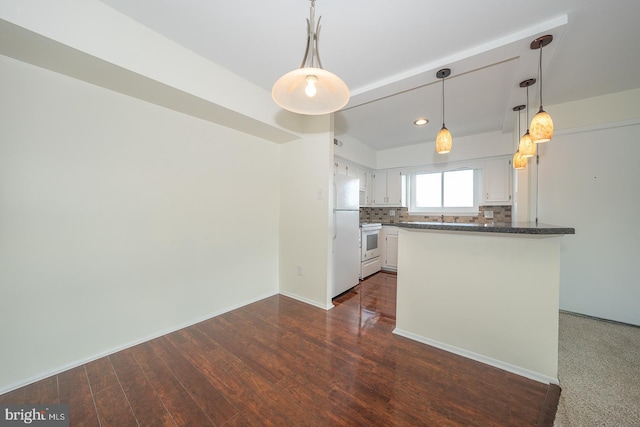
(541, 125)
(310, 89)
(519, 162)
(527, 147)
(444, 141)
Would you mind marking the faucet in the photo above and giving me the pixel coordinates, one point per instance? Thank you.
(442, 218)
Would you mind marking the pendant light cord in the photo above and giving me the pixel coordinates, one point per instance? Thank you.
(313, 34)
(527, 109)
(540, 74)
(519, 120)
(443, 102)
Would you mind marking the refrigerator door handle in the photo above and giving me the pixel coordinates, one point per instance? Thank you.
(335, 204)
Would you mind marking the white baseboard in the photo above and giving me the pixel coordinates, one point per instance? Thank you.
(130, 344)
(523, 372)
(306, 300)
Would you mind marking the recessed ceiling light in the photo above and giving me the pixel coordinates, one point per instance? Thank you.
(421, 122)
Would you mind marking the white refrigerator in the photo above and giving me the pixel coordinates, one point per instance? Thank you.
(346, 234)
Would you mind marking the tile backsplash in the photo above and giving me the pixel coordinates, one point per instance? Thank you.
(501, 214)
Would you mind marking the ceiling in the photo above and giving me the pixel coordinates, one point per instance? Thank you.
(388, 53)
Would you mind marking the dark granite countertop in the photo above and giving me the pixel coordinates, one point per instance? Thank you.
(509, 228)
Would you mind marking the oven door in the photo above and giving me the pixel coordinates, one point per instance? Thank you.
(370, 244)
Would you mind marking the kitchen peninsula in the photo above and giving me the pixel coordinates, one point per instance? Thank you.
(489, 292)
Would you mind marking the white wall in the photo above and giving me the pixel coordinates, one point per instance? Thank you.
(121, 220)
(464, 148)
(305, 214)
(588, 179)
(355, 151)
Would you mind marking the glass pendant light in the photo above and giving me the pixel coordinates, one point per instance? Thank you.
(519, 162)
(527, 147)
(444, 141)
(541, 124)
(311, 89)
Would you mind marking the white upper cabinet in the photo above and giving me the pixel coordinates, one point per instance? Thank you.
(342, 168)
(389, 188)
(497, 181)
(379, 188)
(365, 176)
(339, 168)
(368, 190)
(362, 176)
(352, 171)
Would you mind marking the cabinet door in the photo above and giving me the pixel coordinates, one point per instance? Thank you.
(497, 181)
(380, 188)
(391, 251)
(362, 176)
(339, 168)
(395, 189)
(369, 189)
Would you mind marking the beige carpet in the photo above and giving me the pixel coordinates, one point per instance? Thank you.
(599, 373)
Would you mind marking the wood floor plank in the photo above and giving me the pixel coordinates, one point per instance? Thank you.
(113, 408)
(550, 406)
(176, 399)
(43, 392)
(201, 350)
(101, 375)
(146, 405)
(14, 397)
(224, 371)
(252, 353)
(75, 391)
(273, 407)
(208, 397)
(239, 421)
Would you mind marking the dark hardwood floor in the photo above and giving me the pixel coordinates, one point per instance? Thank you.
(280, 362)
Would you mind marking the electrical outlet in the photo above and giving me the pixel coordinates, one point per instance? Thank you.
(488, 214)
(299, 270)
(392, 212)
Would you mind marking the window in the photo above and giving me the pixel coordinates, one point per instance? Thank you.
(458, 189)
(444, 192)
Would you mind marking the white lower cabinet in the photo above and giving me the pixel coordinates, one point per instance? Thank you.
(389, 248)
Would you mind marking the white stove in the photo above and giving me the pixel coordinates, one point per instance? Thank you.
(370, 249)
